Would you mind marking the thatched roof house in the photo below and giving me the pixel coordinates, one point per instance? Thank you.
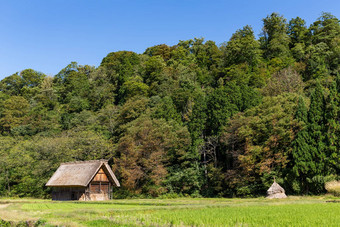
(276, 191)
(87, 180)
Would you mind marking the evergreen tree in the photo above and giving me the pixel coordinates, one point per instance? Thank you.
(316, 131)
(302, 161)
(332, 129)
(220, 107)
(335, 156)
(242, 48)
(297, 32)
(275, 40)
(323, 53)
(198, 120)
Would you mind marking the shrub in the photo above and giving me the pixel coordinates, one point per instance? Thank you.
(317, 183)
(333, 187)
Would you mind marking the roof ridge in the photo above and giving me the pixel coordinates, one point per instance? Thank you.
(86, 161)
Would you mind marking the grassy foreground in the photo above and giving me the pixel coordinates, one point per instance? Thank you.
(294, 211)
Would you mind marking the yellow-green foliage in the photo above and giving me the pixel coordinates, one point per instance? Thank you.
(333, 187)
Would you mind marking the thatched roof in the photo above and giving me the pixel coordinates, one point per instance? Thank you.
(275, 188)
(80, 173)
(276, 191)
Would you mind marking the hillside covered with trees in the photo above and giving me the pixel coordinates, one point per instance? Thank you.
(194, 118)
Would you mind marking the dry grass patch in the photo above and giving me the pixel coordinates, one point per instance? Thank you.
(333, 187)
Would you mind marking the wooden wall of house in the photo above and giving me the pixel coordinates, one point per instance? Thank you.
(68, 193)
(100, 187)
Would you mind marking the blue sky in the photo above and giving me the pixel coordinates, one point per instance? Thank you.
(46, 35)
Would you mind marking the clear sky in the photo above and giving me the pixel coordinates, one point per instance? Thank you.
(46, 35)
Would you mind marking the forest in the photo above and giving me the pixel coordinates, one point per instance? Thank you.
(194, 119)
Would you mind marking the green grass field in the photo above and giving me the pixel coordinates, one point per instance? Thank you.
(294, 211)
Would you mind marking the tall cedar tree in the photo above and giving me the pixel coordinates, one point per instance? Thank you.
(316, 122)
(332, 129)
(302, 160)
(335, 157)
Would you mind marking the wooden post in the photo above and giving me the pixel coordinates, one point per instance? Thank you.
(109, 192)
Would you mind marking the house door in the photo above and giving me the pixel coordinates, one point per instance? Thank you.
(74, 195)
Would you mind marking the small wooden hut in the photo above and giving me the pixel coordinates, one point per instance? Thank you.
(86, 181)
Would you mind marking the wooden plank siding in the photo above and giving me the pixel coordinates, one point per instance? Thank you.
(100, 186)
(68, 193)
(100, 176)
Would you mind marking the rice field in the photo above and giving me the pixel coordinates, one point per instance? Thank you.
(294, 211)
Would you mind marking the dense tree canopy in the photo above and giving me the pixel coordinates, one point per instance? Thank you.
(194, 118)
